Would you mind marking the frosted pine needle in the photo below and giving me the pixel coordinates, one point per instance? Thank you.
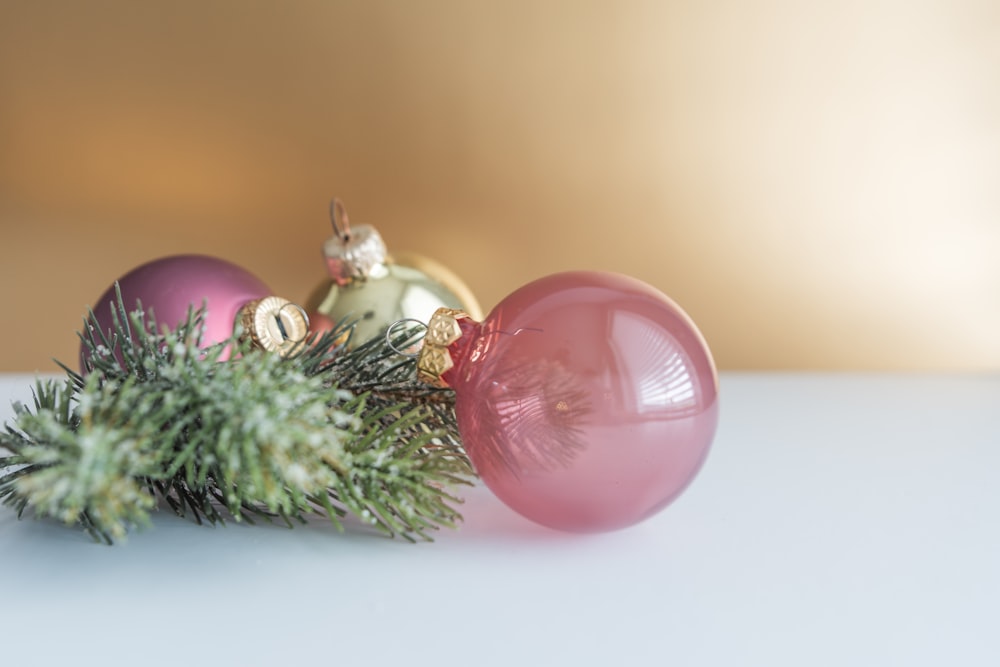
(160, 421)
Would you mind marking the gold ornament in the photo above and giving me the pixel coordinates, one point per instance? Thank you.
(367, 287)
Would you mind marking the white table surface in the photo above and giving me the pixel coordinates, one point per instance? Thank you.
(840, 520)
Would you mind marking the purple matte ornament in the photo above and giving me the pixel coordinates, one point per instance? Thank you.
(170, 286)
(587, 401)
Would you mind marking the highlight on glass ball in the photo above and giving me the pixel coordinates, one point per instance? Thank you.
(587, 401)
(170, 287)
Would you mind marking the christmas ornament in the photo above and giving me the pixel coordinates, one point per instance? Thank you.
(586, 401)
(366, 286)
(170, 287)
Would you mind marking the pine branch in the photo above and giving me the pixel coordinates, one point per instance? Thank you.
(157, 417)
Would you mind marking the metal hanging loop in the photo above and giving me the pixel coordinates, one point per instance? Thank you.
(338, 218)
(392, 346)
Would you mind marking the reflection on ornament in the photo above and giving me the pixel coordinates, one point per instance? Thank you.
(443, 275)
(169, 287)
(367, 287)
(587, 401)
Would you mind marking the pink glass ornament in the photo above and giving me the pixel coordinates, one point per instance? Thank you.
(170, 286)
(587, 401)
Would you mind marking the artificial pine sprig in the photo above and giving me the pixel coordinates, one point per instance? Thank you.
(327, 430)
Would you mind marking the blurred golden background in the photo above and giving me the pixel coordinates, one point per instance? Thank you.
(817, 184)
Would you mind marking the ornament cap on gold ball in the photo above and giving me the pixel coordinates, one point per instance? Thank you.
(274, 324)
(352, 253)
(371, 289)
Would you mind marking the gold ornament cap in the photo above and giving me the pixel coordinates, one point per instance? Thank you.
(434, 359)
(274, 324)
(352, 253)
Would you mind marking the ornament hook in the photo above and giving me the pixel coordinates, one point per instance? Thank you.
(303, 333)
(519, 330)
(392, 346)
(338, 218)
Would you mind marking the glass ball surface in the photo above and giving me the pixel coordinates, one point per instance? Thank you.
(587, 401)
(393, 292)
(170, 286)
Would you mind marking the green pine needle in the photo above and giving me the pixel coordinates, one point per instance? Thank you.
(158, 419)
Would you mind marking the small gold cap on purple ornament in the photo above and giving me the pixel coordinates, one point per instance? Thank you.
(434, 359)
(275, 324)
